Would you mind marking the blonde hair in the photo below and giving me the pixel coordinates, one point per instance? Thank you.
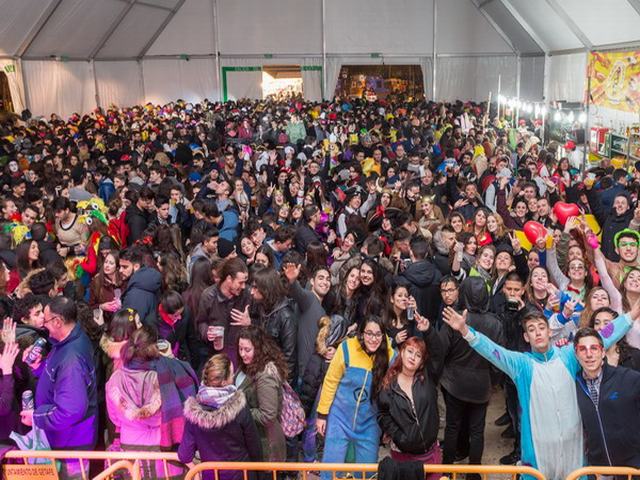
(216, 370)
(502, 230)
(324, 327)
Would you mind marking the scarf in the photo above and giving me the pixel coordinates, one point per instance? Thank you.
(177, 382)
(166, 318)
(215, 397)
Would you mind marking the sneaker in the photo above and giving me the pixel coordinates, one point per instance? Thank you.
(503, 421)
(510, 459)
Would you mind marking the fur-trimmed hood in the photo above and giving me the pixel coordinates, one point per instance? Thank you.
(111, 347)
(210, 418)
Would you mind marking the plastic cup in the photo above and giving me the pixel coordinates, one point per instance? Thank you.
(217, 333)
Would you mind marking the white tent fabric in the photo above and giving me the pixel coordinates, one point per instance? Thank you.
(14, 76)
(69, 33)
(472, 78)
(119, 83)
(59, 87)
(532, 78)
(167, 80)
(566, 77)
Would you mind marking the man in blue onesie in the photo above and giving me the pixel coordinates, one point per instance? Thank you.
(551, 428)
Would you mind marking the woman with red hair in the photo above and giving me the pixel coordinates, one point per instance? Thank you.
(408, 401)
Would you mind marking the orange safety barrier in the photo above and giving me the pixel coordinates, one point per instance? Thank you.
(599, 471)
(139, 458)
(120, 465)
(305, 468)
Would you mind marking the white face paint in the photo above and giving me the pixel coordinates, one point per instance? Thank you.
(13, 167)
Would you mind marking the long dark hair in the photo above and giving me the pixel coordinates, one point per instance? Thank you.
(389, 313)
(100, 278)
(271, 287)
(381, 355)
(22, 258)
(265, 350)
(201, 278)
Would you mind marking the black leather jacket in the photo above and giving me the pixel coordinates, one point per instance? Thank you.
(280, 324)
(413, 427)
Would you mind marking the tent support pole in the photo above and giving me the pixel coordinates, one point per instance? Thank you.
(216, 45)
(141, 72)
(434, 53)
(324, 52)
(95, 82)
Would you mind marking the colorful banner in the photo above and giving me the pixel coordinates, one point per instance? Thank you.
(615, 80)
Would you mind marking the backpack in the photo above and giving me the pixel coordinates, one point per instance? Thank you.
(292, 418)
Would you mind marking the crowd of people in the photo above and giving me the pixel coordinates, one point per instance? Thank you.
(238, 281)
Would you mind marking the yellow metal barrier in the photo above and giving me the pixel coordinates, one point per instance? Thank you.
(305, 468)
(132, 461)
(119, 465)
(599, 471)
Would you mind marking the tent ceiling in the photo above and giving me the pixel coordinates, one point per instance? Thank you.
(119, 29)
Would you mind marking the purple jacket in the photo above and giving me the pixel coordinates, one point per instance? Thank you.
(66, 396)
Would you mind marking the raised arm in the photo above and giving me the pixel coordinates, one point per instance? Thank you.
(607, 283)
(511, 363)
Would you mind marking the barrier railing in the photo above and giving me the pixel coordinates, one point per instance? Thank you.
(117, 466)
(136, 459)
(607, 471)
(133, 462)
(359, 468)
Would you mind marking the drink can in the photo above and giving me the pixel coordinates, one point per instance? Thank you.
(411, 311)
(36, 351)
(27, 400)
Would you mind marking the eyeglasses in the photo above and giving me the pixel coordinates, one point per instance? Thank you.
(51, 319)
(627, 244)
(448, 290)
(373, 335)
(583, 349)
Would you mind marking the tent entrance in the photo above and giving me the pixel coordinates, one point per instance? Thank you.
(379, 82)
(6, 104)
(281, 81)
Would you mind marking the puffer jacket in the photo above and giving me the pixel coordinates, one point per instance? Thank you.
(466, 375)
(225, 433)
(66, 398)
(280, 324)
(143, 290)
(414, 427)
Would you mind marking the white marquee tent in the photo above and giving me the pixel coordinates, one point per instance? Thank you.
(69, 56)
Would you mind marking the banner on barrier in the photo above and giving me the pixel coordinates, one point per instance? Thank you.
(30, 472)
